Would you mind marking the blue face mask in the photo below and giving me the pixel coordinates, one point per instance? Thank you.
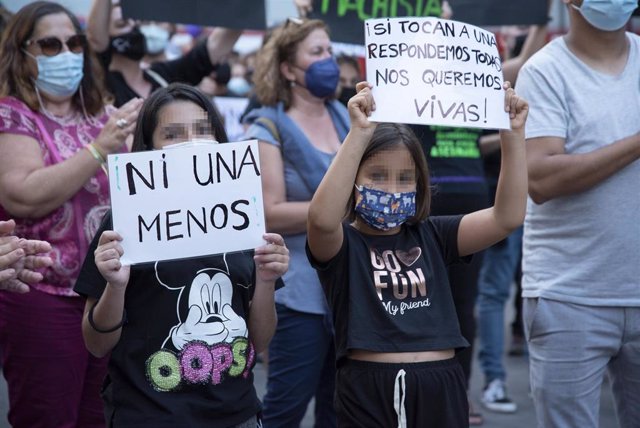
(382, 210)
(59, 75)
(607, 15)
(321, 78)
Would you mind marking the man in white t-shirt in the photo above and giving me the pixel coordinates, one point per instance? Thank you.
(581, 250)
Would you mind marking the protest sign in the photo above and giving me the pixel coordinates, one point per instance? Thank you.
(434, 72)
(245, 14)
(500, 12)
(187, 202)
(231, 108)
(345, 18)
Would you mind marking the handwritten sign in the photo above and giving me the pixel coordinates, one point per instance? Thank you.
(500, 12)
(187, 202)
(224, 13)
(434, 72)
(346, 17)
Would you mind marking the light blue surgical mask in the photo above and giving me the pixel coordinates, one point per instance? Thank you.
(156, 37)
(239, 86)
(59, 75)
(607, 15)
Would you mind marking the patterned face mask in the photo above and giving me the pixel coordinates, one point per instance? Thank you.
(382, 210)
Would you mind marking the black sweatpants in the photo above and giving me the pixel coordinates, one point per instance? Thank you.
(422, 395)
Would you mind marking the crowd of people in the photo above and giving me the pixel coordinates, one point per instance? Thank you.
(362, 218)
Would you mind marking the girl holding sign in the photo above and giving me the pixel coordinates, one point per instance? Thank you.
(384, 270)
(183, 335)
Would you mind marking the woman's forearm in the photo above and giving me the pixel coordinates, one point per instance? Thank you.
(98, 25)
(287, 218)
(43, 190)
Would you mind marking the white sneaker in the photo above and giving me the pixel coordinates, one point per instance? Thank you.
(494, 397)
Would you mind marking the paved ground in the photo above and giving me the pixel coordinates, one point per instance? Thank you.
(518, 387)
(518, 384)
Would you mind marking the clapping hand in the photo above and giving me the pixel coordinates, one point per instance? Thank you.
(19, 259)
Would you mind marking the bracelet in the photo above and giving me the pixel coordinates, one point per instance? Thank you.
(109, 330)
(95, 153)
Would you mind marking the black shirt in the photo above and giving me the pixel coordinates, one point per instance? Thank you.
(454, 159)
(190, 68)
(391, 293)
(183, 358)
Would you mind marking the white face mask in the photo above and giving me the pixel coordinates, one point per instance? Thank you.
(607, 15)
(156, 37)
(191, 143)
(59, 75)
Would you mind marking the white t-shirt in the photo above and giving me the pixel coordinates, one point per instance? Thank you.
(584, 248)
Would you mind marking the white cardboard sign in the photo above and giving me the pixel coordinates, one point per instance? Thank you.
(187, 202)
(434, 71)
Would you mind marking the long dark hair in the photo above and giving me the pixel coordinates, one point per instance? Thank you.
(15, 79)
(388, 136)
(148, 116)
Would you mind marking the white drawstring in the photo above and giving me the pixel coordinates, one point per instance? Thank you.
(399, 392)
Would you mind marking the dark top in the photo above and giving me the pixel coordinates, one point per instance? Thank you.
(190, 68)
(391, 293)
(184, 358)
(492, 172)
(454, 158)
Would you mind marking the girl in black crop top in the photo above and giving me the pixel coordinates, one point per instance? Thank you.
(384, 269)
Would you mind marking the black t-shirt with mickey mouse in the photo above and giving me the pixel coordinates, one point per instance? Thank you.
(184, 358)
(391, 293)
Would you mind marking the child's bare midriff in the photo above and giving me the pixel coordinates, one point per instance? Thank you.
(401, 357)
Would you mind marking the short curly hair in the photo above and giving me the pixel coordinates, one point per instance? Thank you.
(271, 86)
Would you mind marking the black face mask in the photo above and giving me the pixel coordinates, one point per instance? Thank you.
(223, 73)
(132, 45)
(346, 94)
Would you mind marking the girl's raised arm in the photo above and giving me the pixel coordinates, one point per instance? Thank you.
(328, 206)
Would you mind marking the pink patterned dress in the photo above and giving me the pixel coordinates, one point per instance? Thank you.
(70, 227)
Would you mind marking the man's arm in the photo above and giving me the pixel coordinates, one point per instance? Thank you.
(554, 173)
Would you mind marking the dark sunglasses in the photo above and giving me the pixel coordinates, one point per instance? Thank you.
(52, 46)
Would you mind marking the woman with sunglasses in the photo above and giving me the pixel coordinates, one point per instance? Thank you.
(300, 129)
(55, 134)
